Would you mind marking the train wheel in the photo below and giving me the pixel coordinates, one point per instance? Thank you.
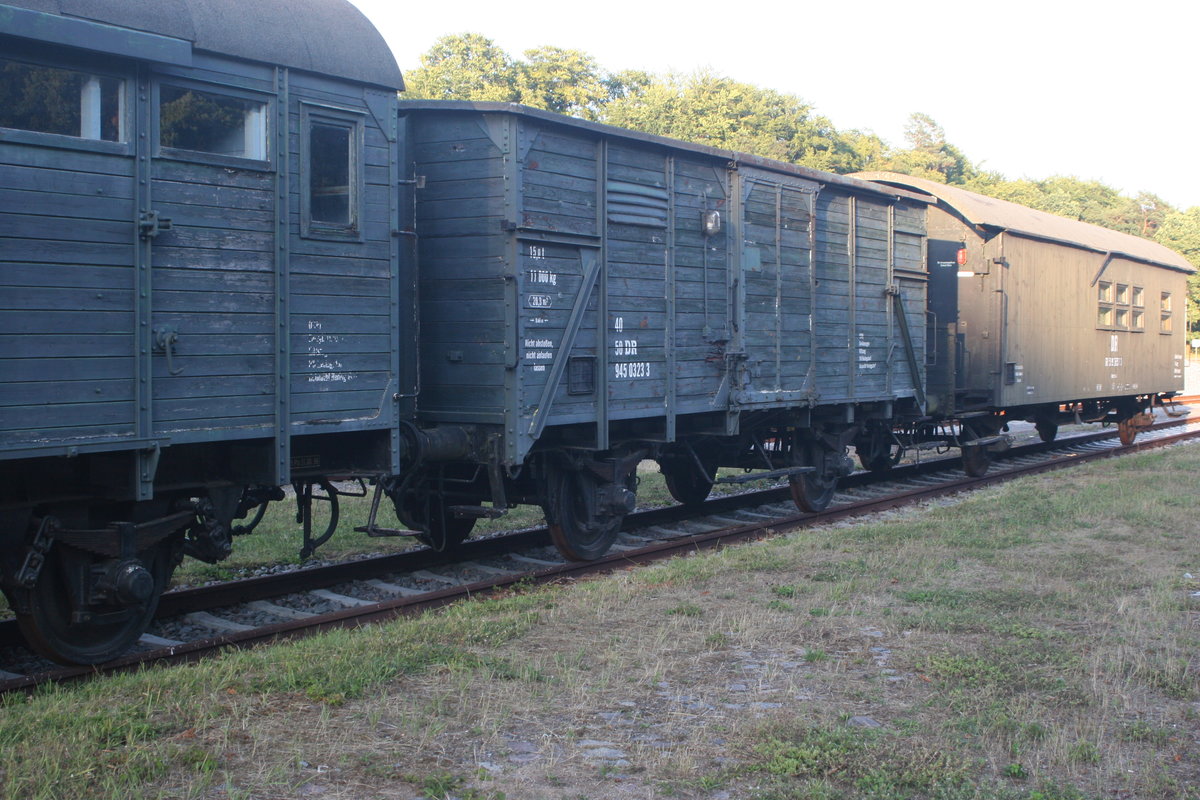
(580, 526)
(1047, 429)
(877, 455)
(66, 624)
(439, 529)
(976, 460)
(685, 482)
(1045, 421)
(813, 491)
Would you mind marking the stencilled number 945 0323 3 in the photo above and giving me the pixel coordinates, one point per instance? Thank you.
(632, 369)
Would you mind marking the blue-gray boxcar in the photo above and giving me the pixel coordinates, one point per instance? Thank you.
(200, 287)
(593, 296)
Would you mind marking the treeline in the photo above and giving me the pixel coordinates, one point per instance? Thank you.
(715, 110)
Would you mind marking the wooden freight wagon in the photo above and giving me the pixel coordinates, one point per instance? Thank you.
(592, 296)
(1044, 318)
(200, 287)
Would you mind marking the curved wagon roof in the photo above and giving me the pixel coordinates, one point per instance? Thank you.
(990, 213)
(329, 37)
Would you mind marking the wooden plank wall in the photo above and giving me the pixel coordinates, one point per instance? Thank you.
(911, 276)
(67, 289)
(701, 271)
(873, 336)
(341, 291)
(461, 253)
(776, 270)
(574, 195)
(831, 257)
(638, 260)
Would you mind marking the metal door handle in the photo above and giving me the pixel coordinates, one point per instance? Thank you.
(164, 342)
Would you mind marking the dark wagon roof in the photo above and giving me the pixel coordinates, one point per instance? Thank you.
(990, 213)
(329, 37)
(734, 158)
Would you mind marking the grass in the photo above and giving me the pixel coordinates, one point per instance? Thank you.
(1032, 642)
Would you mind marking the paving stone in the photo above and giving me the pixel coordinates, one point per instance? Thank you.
(605, 754)
(524, 758)
(864, 722)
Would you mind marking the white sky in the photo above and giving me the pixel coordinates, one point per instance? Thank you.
(1101, 90)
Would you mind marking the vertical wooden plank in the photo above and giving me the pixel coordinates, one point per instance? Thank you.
(780, 308)
(504, 130)
(603, 353)
(403, 279)
(669, 400)
(282, 254)
(737, 287)
(851, 316)
(143, 295)
(891, 284)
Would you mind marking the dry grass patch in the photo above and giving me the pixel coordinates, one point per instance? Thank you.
(1034, 642)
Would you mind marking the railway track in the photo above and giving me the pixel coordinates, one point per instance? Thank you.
(194, 622)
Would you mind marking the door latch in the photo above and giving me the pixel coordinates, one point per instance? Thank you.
(150, 224)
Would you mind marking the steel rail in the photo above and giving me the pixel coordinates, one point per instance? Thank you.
(240, 591)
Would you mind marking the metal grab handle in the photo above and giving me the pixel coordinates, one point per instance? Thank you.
(164, 341)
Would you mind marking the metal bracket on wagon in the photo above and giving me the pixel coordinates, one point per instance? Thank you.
(28, 574)
(751, 477)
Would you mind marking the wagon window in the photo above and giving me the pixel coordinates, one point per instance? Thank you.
(1139, 296)
(61, 101)
(332, 181)
(1166, 321)
(329, 175)
(1122, 294)
(1139, 320)
(205, 122)
(1107, 316)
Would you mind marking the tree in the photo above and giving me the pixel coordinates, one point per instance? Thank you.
(1180, 230)
(929, 155)
(468, 66)
(712, 109)
(465, 66)
(1153, 212)
(562, 81)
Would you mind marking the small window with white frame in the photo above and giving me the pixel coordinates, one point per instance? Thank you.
(331, 173)
(202, 121)
(65, 102)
